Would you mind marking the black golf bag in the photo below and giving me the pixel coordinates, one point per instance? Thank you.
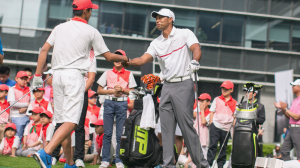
(244, 144)
(139, 147)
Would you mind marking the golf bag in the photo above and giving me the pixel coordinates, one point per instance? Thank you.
(139, 147)
(244, 144)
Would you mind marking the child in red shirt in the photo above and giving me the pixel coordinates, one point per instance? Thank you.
(10, 143)
(92, 116)
(32, 134)
(18, 110)
(48, 127)
(39, 101)
(4, 117)
(98, 140)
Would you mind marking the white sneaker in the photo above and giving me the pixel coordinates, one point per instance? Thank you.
(79, 163)
(119, 165)
(53, 161)
(104, 164)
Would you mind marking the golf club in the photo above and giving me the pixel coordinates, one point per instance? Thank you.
(24, 95)
(197, 117)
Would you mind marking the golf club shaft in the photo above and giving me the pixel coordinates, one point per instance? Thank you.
(23, 96)
(197, 116)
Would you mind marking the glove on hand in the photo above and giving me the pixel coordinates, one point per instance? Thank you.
(194, 66)
(37, 81)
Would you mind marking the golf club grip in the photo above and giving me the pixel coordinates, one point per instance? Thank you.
(242, 100)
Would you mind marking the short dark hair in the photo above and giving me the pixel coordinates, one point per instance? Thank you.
(78, 12)
(27, 69)
(4, 70)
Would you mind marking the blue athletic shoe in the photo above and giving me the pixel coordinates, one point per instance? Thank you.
(43, 159)
(68, 166)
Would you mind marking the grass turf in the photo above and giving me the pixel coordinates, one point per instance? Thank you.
(25, 162)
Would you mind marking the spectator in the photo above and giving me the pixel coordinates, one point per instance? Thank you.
(32, 134)
(4, 75)
(103, 28)
(4, 117)
(48, 127)
(1, 53)
(98, 140)
(49, 87)
(204, 116)
(18, 110)
(292, 138)
(29, 73)
(221, 117)
(276, 152)
(285, 131)
(39, 101)
(119, 82)
(10, 143)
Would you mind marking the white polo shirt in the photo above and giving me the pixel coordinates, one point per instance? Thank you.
(72, 43)
(173, 53)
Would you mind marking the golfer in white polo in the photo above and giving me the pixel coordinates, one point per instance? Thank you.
(178, 53)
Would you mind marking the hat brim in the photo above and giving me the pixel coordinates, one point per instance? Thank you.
(10, 127)
(95, 6)
(154, 14)
(45, 115)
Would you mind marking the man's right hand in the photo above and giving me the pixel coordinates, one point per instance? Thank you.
(126, 64)
(37, 81)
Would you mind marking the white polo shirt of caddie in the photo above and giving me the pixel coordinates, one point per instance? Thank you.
(173, 53)
(72, 43)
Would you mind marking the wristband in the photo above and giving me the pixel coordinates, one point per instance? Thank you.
(38, 75)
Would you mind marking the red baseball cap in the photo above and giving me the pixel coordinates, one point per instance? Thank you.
(37, 110)
(4, 87)
(204, 96)
(48, 113)
(227, 85)
(91, 93)
(84, 4)
(21, 74)
(10, 125)
(98, 122)
(120, 51)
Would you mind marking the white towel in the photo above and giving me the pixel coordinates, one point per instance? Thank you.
(148, 116)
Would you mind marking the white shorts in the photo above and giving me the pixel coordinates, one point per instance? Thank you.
(177, 130)
(68, 91)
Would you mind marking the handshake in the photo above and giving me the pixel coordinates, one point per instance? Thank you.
(127, 63)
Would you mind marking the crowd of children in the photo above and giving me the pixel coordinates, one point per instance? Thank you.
(29, 124)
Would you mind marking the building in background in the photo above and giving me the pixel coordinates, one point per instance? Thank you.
(242, 40)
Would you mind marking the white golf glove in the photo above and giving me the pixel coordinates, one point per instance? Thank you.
(194, 66)
(37, 81)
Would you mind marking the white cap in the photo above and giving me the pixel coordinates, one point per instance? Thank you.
(296, 82)
(163, 12)
(278, 145)
(50, 71)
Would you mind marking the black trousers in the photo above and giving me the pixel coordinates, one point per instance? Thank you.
(79, 134)
(217, 135)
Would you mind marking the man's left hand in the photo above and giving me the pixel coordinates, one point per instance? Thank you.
(194, 66)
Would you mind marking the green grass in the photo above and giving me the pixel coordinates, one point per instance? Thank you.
(25, 162)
